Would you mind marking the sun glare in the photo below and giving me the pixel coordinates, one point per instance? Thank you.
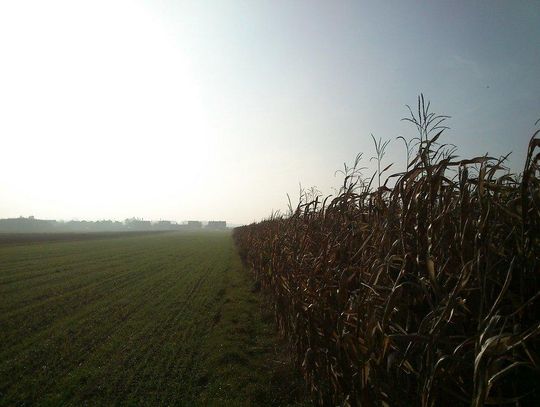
(115, 108)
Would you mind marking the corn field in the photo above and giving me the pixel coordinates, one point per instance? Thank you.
(422, 290)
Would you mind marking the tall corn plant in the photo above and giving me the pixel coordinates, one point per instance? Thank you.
(425, 293)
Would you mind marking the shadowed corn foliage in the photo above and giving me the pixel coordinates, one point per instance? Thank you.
(424, 293)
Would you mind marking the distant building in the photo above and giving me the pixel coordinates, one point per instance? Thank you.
(138, 224)
(217, 224)
(163, 225)
(195, 224)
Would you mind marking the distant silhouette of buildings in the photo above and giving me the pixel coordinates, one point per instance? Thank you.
(138, 224)
(26, 225)
(163, 225)
(217, 224)
(33, 225)
(194, 224)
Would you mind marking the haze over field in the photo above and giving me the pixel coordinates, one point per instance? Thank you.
(215, 110)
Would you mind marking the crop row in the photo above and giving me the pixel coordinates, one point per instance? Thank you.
(422, 290)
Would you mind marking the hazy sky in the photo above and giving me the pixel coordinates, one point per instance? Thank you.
(215, 110)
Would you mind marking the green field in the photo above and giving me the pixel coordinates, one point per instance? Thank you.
(148, 319)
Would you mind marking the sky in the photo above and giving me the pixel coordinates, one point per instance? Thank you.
(216, 110)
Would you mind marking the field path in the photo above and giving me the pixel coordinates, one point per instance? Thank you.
(157, 319)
